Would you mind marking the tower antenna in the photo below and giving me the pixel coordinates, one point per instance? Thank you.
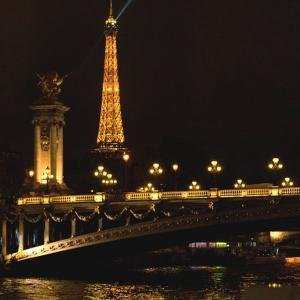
(110, 9)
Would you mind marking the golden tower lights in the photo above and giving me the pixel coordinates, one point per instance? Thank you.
(110, 137)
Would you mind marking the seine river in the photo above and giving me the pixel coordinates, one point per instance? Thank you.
(193, 282)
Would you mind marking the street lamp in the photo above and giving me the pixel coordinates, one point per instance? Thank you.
(126, 158)
(275, 165)
(156, 170)
(287, 182)
(239, 184)
(47, 176)
(109, 181)
(100, 172)
(214, 168)
(31, 173)
(175, 168)
(194, 186)
(148, 188)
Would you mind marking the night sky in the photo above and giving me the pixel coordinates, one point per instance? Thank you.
(200, 80)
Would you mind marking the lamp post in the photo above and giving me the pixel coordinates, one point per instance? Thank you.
(31, 173)
(100, 172)
(214, 168)
(109, 182)
(156, 170)
(47, 176)
(287, 182)
(175, 168)
(239, 184)
(148, 188)
(126, 158)
(194, 186)
(275, 165)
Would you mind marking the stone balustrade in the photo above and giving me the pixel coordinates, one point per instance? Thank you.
(174, 195)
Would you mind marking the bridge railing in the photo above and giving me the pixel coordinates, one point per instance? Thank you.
(146, 196)
(289, 191)
(61, 199)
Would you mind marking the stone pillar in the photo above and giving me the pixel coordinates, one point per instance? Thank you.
(46, 231)
(21, 233)
(4, 237)
(37, 152)
(53, 149)
(48, 120)
(73, 226)
(59, 168)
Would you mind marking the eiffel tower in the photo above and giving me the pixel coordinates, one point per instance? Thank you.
(110, 138)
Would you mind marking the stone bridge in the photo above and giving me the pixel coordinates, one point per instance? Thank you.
(94, 233)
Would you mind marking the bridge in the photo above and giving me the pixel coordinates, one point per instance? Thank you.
(76, 230)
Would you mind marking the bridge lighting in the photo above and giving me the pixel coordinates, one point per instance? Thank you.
(105, 177)
(126, 157)
(100, 168)
(275, 164)
(175, 167)
(47, 176)
(214, 168)
(100, 172)
(148, 188)
(109, 181)
(287, 182)
(156, 169)
(239, 184)
(194, 186)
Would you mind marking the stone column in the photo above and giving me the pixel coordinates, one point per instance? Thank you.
(21, 233)
(59, 166)
(4, 237)
(53, 149)
(37, 152)
(46, 231)
(73, 226)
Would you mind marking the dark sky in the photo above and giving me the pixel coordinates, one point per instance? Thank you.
(199, 79)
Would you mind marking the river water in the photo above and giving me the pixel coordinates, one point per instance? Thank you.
(192, 282)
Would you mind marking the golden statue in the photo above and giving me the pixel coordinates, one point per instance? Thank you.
(50, 84)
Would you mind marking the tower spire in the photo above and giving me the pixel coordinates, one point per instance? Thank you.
(111, 9)
(110, 134)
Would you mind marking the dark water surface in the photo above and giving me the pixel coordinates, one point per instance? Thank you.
(194, 282)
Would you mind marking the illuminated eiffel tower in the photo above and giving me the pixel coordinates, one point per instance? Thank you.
(110, 139)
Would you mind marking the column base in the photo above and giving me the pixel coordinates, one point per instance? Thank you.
(38, 189)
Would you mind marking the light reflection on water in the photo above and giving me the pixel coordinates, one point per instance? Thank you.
(193, 282)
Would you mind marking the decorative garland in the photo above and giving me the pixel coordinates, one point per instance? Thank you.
(116, 217)
(153, 209)
(32, 220)
(141, 216)
(85, 218)
(60, 219)
(11, 221)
